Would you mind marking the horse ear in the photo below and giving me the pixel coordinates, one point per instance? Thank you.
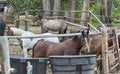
(8, 28)
(75, 37)
(87, 32)
(88, 29)
(83, 32)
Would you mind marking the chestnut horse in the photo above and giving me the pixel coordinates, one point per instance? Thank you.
(70, 46)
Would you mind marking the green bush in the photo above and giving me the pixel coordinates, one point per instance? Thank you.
(22, 5)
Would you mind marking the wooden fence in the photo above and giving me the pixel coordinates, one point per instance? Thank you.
(66, 14)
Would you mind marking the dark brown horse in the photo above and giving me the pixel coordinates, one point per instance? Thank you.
(95, 47)
(70, 46)
(95, 44)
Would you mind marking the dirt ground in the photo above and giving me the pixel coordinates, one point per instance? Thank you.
(15, 49)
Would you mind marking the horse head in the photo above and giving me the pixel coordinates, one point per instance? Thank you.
(9, 32)
(37, 17)
(85, 36)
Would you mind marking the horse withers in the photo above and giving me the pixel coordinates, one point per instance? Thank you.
(70, 46)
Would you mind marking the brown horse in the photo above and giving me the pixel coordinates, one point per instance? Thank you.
(95, 44)
(70, 46)
(95, 47)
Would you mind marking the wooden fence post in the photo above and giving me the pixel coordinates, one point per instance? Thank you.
(17, 20)
(4, 55)
(26, 20)
(66, 15)
(105, 67)
(85, 13)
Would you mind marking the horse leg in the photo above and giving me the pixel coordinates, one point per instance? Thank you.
(65, 30)
(25, 52)
(62, 38)
(43, 29)
(60, 32)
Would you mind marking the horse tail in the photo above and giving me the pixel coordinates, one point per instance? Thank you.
(65, 31)
(33, 50)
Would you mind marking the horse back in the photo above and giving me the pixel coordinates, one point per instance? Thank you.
(40, 48)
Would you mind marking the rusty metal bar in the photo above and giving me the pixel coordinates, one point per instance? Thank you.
(114, 66)
(111, 38)
(111, 47)
(112, 53)
(114, 60)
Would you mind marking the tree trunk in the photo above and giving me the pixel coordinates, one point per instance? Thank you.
(46, 7)
(46, 12)
(106, 11)
(109, 12)
(73, 7)
(85, 13)
(56, 7)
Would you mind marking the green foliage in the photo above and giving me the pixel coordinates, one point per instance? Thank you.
(79, 4)
(22, 5)
(65, 5)
(95, 8)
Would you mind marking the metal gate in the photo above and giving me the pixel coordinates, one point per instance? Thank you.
(113, 51)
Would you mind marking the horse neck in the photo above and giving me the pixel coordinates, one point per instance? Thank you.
(76, 43)
(44, 20)
(17, 32)
(95, 43)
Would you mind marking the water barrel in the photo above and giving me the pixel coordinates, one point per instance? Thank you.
(73, 64)
(20, 64)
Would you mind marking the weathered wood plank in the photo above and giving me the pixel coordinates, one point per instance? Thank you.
(4, 55)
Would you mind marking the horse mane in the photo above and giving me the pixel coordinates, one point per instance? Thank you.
(17, 31)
